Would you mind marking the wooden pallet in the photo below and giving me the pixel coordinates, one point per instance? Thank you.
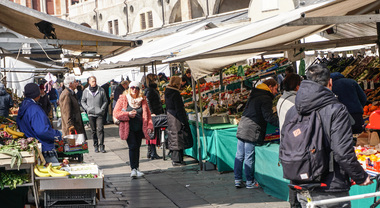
(27, 158)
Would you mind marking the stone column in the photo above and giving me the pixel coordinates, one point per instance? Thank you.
(185, 10)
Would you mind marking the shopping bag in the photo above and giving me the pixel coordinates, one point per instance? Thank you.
(84, 117)
(58, 112)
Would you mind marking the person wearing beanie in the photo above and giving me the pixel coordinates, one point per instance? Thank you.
(94, 102)
(70, 111)
(135, 123)
(6, 101)
(33, 121)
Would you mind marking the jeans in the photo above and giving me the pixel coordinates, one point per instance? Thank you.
(50, 156)
(54, 103)
(245, 155)
(97, 130)
(317, 196)
(134, 143)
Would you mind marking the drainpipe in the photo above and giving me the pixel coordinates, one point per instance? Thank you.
(126, 13)
(163, 13)
(96, 14)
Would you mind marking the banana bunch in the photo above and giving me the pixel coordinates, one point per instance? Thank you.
(12, 131)
(42, 171)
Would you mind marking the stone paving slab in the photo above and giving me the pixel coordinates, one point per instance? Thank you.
(167, 186)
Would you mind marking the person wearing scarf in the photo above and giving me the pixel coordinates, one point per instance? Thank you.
(94, 102)
(179, 133)
(135, 123)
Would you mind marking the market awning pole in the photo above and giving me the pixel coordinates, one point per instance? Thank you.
(197, 125)
(378, 33)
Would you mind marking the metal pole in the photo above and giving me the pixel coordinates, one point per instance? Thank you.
(378, 33)
(197, 125)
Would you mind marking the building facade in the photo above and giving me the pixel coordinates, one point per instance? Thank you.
(123, 17)
(58, 8)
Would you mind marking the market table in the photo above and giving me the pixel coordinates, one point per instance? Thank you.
(219, 148)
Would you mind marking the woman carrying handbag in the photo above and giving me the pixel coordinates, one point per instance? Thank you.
(135, 123)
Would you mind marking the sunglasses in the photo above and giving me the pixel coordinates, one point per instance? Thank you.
(137, 88)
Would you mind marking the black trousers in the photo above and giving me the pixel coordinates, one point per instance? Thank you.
(177, 156)
(134, 143)
(97, 130)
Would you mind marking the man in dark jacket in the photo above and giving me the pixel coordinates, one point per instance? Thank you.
(315, 94)
(32, 120)
(251, 130)
(6, 101)
(352, 96)
(119, 91)
(94, 102)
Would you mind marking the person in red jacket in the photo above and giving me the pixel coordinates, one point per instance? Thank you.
(135, 123)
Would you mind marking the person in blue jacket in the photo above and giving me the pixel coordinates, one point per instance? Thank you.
(33, 121)
(352, 96)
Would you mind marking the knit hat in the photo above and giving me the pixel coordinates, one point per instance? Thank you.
(31, 90)
(42, 87)
(135, 84)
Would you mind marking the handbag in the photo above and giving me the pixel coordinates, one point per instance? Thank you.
(160, 121)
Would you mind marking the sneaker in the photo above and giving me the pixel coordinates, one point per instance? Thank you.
(239, 184)
(139, 174)
(251, 185)
(134, 173)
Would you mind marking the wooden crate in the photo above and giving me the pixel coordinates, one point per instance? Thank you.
(27, 158)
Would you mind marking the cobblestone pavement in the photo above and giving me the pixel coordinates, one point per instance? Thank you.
(165, 185)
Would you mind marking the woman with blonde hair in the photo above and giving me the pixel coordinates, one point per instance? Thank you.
(135, 123)
(155, 107)
(179, 133)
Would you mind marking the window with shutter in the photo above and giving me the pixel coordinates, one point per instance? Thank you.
(116, 25)
(110, 27)
(142, 21)
(150, 19)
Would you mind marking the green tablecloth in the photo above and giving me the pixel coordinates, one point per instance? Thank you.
(220, 150)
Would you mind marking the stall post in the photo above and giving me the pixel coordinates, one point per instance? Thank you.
(378, 33)
(197, 124)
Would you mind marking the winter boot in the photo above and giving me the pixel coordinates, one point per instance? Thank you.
(154, 154)
(102, 149)
(96, 149)
(149, 153)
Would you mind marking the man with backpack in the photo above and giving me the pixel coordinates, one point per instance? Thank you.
(316, 141)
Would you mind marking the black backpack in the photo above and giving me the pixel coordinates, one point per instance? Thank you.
(304, 148)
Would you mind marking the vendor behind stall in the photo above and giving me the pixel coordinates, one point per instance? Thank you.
(33, 121)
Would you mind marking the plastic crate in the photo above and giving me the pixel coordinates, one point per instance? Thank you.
(70, 198)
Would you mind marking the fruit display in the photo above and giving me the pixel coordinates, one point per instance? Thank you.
(50, 171)
(369, 157)
(368, 109)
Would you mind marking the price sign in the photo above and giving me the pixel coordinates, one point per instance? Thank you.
(372, 85)
(365, 84)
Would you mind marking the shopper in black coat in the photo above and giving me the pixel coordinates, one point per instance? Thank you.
(179, 133)
(155, 107)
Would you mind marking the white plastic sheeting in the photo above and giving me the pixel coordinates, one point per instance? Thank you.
(17, 81)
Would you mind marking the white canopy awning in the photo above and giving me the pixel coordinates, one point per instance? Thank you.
(22, 20)
(268, 32)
